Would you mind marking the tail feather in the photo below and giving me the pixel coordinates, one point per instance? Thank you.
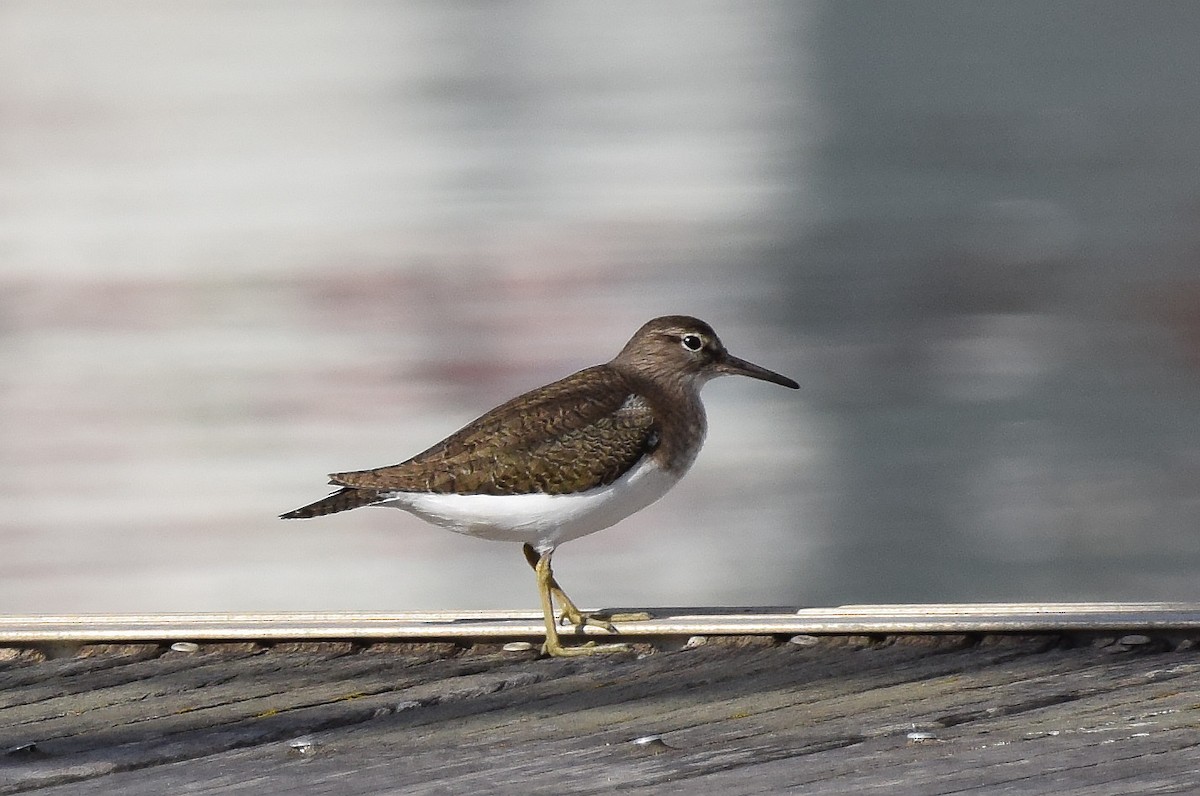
(342, 500)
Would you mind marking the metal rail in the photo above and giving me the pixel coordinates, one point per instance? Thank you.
(496, 625)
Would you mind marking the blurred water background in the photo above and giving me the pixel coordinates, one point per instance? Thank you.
(245, 244)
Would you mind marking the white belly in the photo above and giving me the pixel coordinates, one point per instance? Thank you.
(543, 521)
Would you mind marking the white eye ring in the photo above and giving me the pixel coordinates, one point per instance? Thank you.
(692, 342)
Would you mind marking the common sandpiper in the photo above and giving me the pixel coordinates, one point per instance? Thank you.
(564, 460)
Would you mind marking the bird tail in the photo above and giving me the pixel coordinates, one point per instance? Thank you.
(341, 500)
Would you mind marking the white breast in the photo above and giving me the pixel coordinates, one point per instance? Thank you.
(543, 521)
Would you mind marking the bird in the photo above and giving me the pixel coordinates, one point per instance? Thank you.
(564, 460)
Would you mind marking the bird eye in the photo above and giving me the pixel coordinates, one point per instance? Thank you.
(692, 342)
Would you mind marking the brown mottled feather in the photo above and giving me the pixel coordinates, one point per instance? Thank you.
(578, 433)
(342, 500)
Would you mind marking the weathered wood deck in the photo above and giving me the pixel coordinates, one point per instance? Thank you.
(1092, 707)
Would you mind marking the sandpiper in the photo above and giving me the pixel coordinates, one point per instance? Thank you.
(564, 460)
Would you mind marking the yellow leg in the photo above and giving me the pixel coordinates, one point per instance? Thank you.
(570, 613)
(553, 645)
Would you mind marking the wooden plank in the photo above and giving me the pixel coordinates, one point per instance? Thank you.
(1032, 713)
(873, 619)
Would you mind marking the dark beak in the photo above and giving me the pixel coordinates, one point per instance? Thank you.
(733, 366)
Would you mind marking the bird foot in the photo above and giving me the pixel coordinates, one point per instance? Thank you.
(630, 616)
(556, 650)
(578, 619)
(550, 592)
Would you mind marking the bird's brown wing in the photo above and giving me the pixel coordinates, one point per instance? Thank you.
(581, 432)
